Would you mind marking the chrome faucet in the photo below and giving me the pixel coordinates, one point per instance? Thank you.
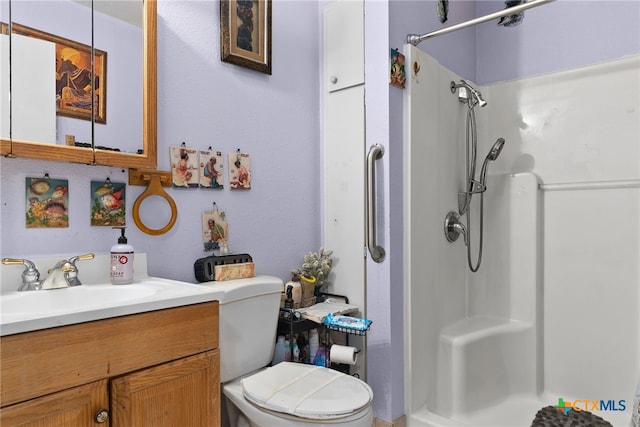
(30, 275)
(65, 273)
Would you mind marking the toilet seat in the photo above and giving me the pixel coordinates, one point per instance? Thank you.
(306, 391)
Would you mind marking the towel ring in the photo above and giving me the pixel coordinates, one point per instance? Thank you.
(154, 189)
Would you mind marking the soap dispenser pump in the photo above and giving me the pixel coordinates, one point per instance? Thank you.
(121, 261)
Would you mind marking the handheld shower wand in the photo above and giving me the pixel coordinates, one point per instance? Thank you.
(495, 151)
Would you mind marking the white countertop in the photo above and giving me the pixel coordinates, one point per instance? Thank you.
(96, 299)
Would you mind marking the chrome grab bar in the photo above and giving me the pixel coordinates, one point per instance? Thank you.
(377, 252)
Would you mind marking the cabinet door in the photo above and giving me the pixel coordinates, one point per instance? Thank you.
(77, 406)
(184, 392)
(343, 44)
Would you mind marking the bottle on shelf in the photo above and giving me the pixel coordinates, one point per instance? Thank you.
(296, 351)
(278, 353)
(314, 342)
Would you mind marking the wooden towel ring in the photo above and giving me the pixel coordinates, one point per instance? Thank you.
(154, 189)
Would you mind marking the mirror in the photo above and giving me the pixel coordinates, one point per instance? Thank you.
(114, 123)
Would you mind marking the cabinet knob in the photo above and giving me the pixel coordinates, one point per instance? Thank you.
(102, 416)
(333, 79)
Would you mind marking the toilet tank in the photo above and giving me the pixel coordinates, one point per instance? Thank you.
(249, 311)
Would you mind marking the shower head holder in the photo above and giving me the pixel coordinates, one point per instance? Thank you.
(476, 187)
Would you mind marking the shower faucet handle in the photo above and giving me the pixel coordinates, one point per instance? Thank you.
(453, 228)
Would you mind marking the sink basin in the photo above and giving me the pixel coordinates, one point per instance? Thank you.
(20, 304)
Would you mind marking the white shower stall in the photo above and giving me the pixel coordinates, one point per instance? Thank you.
(554, 311)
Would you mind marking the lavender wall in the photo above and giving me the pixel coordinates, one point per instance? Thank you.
(558, 36)
(206, 102)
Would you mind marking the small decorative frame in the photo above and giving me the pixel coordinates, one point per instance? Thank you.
(184, 166)
(108, 203)
(211, 169)
(397, 76)
(215, 230)
(239, 171)
(73, 75)
(245, 39)
(47, 202)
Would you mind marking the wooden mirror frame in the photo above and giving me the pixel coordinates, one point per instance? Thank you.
(148, 160)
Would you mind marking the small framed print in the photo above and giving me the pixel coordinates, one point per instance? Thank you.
(239, 171)
(184, 166)
(47, 203)
(397, 75)
(211, 169)
(108, 203)
(215, 231)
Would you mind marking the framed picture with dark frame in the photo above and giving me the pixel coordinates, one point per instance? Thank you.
(245, 27)
(73, 75)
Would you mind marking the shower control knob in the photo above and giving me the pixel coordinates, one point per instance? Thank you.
(333, 79)
(453, 228)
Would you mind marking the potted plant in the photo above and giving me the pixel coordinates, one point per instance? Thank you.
(314, 272)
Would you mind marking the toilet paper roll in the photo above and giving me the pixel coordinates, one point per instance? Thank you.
(343, 354)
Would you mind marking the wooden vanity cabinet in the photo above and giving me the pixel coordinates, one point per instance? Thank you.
(76, 406)
(159, 368)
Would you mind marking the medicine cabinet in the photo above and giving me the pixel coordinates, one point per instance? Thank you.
(112, 122)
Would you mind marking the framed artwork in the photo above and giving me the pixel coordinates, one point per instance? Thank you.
(211, 169)
(239, 171)
(108, 203)
(245, 27)
(215, 230)
(73, 75)
(397, 74)
(184, 166)
(47, 203)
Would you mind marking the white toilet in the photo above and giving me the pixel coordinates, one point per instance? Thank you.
(287, 394)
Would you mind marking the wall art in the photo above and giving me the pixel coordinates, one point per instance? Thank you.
(215, 230)
(245, 33)
(397, 75)
(239, 171)
(108, 207)
(184, 166)
(47, 203)
(211, 169)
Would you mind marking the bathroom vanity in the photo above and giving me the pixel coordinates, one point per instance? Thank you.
(138, 365)
(145, 367)
(128, 355)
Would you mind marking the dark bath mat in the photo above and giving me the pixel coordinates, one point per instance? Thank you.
(549, 416)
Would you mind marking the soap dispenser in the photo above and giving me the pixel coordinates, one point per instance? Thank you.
(121, 261)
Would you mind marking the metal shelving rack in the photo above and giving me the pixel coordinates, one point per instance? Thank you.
(290, 323)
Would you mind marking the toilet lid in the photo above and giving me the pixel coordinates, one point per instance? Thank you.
(306, 391)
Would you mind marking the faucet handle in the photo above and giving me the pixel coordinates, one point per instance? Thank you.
(72, 275)
(30, 275)
(84, 257)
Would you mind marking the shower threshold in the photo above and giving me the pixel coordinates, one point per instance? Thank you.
(516, 410)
